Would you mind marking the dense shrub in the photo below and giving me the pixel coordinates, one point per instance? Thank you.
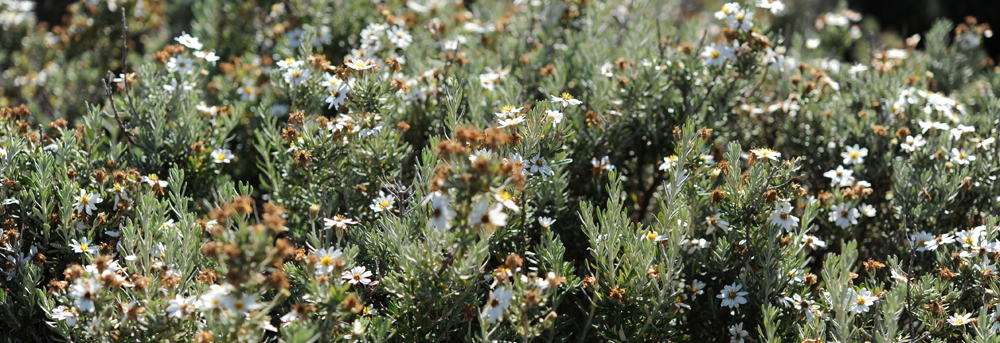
(542, 170)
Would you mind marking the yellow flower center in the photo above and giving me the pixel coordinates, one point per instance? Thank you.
(84, 246)
(567, 97)
(784, 215)
(861, 300)
(715, 53)
(506, 196)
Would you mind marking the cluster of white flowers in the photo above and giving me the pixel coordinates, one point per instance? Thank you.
(973, 245)
(15, 12)
(736, 17)
(186, 65)
(85, 292)
(365, 56)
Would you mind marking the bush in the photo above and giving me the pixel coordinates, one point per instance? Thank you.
(493, 171)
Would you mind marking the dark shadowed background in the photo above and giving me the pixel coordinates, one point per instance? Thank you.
(916, 16)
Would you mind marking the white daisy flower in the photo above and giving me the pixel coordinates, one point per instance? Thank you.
(337, 95)
(360, 64)
(961, 156)
(383, 202)
(182, 65)
(923, 241)
(959, 130)
(327, 260)
(715, 221)
(207, 56)
(180, 306)
(717, 55)
(400, 37)
(867, 210)
(507, 199)
(782, 216)
(188, 41)
(357, 275)
(854, 155)
(296, 76)
(241, 305)
(442, 214)
(509, 111)
(813, 242)
(765, 153)
(738, 334)
(66, 314)
(480, 155)
(553, 116)
(289, 63)
(515, 159)
(985, 143)
(222, 156)
(862, 300)
(216, 296)
(696, 288)
(87, 202)
(960, 319)
(843, 215)
(565, 100)
(732, 297)
(806, 306)
(740, 20)
(840, 176)
(499, 301)
(339, 222)
(538, 165)
(510, 121)
(912, 143)
(776, 6)
(484, 214)
(669, 163)
(84, 291)
(727, 10)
